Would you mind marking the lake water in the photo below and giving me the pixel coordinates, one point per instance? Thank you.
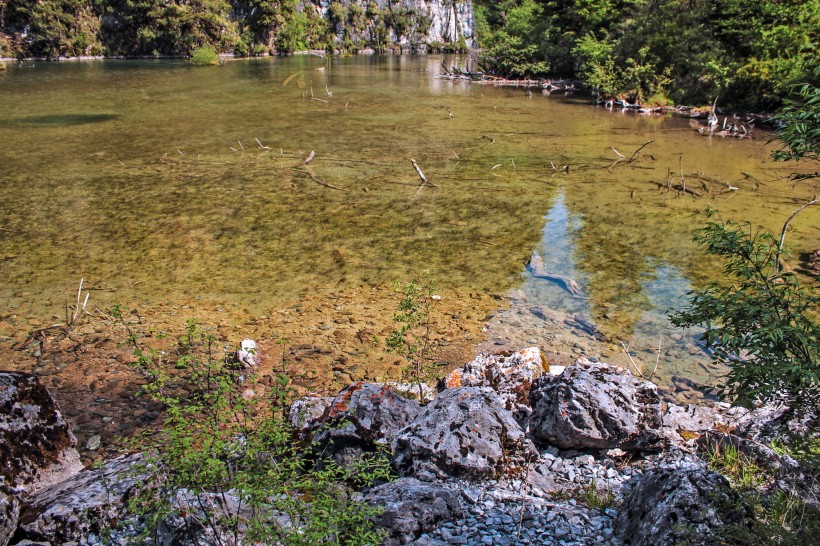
(161, 181)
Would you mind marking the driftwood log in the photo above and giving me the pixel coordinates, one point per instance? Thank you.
(567, 283)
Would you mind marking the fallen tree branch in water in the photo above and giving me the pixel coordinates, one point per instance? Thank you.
(313, 177)
(569, 284)
(637, 369)
(635, 153)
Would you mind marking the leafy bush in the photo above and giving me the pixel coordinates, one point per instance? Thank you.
(411, 338)
(759, 322)
(222, 440)
(801, 131)
(205, 56)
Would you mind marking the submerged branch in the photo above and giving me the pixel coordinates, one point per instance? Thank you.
(312, 176)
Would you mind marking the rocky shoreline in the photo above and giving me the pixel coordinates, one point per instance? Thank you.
(510, 451)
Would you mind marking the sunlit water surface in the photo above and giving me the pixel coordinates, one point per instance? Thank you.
(161, 181)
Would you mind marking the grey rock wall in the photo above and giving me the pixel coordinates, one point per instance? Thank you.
(450, 20)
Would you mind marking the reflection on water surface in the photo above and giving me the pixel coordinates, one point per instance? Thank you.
(160, 181)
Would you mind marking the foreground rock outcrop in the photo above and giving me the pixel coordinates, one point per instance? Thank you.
(88, 504)
(616, 466)
(410, 507)
(682, 503)
(596, 406)
(355, 421)
(9, 513)
(510, 375)
(37, 447)
(465, 432)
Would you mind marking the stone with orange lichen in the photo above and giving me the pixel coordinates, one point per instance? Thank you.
(510, 374)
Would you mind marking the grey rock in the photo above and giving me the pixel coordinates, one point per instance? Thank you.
(427, 541)
(90, 502)
(596, 406)
(198, 518)
(683, 503)
(359, 418)
(411, 507)
(37, 447)
(679, 420)
(511, 375)
(306, 412)
(9, 513)
(465, 432)
(93, 443)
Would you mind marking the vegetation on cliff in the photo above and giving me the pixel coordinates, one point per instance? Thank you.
(749, 53)
(70, 28)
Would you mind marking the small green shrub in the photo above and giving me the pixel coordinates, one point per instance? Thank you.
(742, 471)
(223, 438)
(597, 498)
(411, 338)
(205, 56)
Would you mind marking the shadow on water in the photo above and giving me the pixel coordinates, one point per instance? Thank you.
(61, 120)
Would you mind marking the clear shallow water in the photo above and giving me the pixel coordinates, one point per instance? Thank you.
(145, 177)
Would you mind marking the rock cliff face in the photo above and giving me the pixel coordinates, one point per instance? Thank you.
(411, 23)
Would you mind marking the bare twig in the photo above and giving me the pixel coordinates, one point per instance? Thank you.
(786, 227)
(321, 183)
(658, 359)
(630, 359)
(240, 145)
(424, 181)
(262, 145)
(622, 156)
(79, 308)
(635, 153)
(310, 157)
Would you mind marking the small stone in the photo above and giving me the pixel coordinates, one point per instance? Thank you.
(93, 443)
(585, 460)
